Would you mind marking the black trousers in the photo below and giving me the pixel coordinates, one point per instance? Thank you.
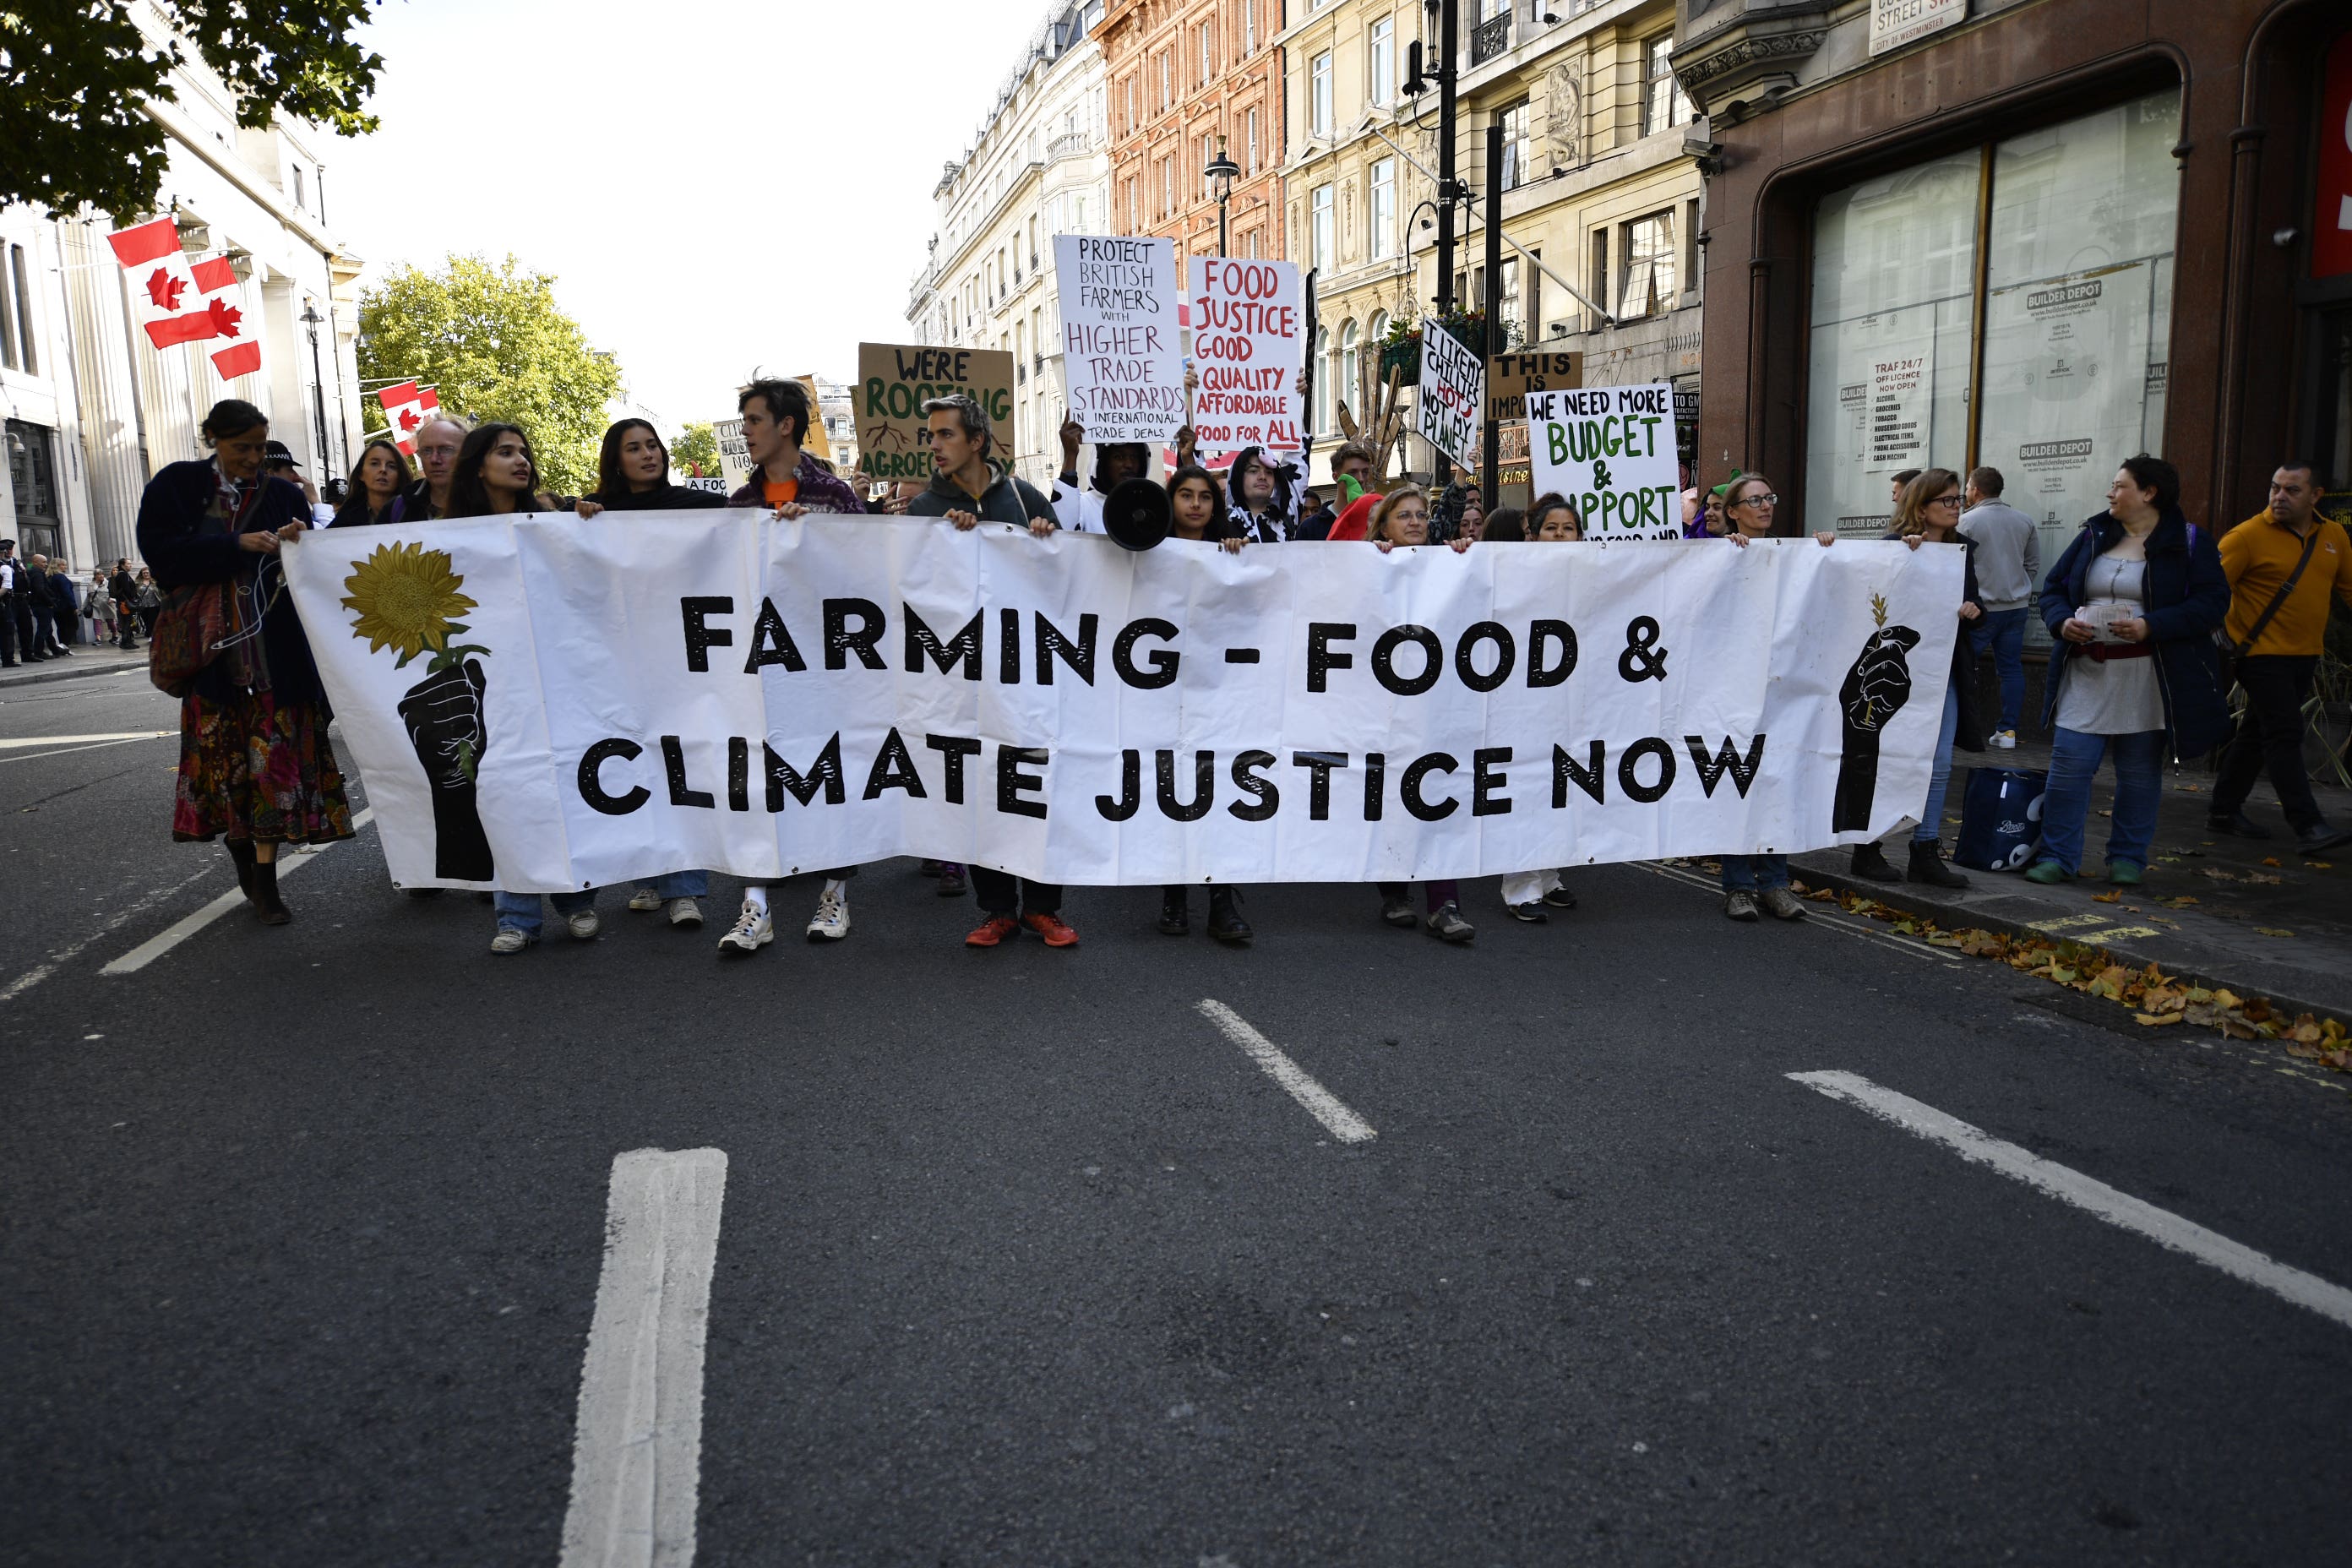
(27, 644)
(1001, 893)
(2269, 734)
(8, 629)
(45, 630)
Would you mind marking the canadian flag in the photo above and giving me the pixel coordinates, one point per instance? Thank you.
(400, 413)
(224, 302)
(184, 302)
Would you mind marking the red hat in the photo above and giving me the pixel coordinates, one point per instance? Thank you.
(1356, 520)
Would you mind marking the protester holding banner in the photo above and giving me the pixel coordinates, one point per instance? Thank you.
(1262, 503)
(2132, 607)
(1553, 521)
(970, 488)
(1929, 511)
(257, 769)
(1198, 514)
(632, 473)
(380, 484)
(1507, 525)
(1749, 880)
(776, 420)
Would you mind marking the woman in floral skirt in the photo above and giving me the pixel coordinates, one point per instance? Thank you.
(255, 766)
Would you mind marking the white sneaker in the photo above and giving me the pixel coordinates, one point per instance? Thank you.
(2002, 739)
(583, 925)
(686, 913)
(510, 940)
(831, 921)
(751, 931)
(645, 900)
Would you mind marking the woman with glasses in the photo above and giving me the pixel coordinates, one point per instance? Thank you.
(1929, 512)
(256, 768)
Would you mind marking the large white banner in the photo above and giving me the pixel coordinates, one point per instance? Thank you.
(542, 703)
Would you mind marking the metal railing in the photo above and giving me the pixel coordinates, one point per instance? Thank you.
(1491, 37)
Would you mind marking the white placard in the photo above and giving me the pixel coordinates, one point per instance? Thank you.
(1451, 397)
(1124, 365)
(1611, 451)
(542, 703)
(1248, 347)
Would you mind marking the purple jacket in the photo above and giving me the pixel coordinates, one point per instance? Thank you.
(821, 488)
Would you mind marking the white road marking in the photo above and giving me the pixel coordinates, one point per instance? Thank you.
(71, 750)
(1321, 1104)
(181, 930)
(637, 1460)
(1827, 917)
(49, 965)
(2160, 1226)
(21, 741)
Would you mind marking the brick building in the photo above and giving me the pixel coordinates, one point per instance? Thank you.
(1182, 73)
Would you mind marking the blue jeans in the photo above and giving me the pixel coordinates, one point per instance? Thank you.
(520, 911)
(1940, 777)
(2004, 631)
(2066, 807)
(677, 885)
(1753, 873)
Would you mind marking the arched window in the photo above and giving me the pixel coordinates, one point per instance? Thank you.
(1323, 380)
(1351, 371)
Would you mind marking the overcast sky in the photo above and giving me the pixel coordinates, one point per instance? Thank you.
(715, 186)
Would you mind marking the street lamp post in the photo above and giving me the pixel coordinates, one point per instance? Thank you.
(1221, 171)
(312, 319)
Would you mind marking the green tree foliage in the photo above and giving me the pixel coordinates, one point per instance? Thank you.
(497, 347)
(74, 75)
(696, 447)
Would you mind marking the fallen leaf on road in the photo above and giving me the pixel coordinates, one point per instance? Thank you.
(2114, 897)
(2271, 931)
(2182, 902)
(2319, 865)
(2154, 1018)
(2269, 860)
(2257, 876)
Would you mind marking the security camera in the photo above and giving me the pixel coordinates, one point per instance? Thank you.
(1700, 145)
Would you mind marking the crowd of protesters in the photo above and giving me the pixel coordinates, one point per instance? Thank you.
(2137, 605)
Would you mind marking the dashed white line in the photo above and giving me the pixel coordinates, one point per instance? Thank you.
(21, 742)
(1321, 1104)
(636, 1459)
(2160, 1226)
(181, 930)
(65, 955)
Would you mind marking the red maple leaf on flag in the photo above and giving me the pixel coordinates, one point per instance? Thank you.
(164, 290)
(409, 419)
(225, 317)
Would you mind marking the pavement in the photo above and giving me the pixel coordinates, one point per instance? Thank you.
(2257, 917)
(84, 661)
(319, 1243)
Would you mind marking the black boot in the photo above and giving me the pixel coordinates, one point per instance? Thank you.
(1927, 865)
(1226, 922)
(240, 850)
(1870, 860)
(1175, 911)
(270, 909)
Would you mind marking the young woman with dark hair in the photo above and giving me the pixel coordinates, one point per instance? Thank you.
(1553, 519)
(1198, 515)
(255, 766)
(1262, 499)
(633, 474)
(379, 480)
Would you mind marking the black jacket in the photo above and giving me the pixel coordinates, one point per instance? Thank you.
(181, 547)
(1968, 734)
(1008, 499)
(661, 498)
(2188, 598)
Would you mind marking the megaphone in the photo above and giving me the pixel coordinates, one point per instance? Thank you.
(1136, 514)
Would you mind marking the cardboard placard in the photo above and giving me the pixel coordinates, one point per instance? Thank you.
(894, 382)
(1611, 451)
(1451, 396)
(1124, 365)
(1249, 344)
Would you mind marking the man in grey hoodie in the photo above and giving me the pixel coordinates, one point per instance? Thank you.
(2008, 568)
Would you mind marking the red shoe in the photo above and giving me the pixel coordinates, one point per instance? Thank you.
(994, 930)
(1051, 928)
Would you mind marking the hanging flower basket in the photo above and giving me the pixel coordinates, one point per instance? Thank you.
(1402, 356)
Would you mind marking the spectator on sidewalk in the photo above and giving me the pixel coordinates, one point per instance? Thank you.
(124, 590)
(98, 608)
(2008, 568)
(150, 602)
(2132, 607)
(65, 605)
(16, 610)
(2285, 564)
(43, 601)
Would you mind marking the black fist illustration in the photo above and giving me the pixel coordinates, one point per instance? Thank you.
(1874, 690)
(444, 716)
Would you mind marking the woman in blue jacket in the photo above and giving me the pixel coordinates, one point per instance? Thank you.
(2137, 676)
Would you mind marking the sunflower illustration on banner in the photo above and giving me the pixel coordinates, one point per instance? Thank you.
(407, 598)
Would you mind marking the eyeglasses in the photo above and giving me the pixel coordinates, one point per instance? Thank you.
(1945, 501)
(1766, 498)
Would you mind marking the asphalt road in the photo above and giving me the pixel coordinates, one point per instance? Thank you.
(1021, 1259)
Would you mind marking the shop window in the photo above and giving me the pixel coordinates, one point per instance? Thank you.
(33, 478)
(2069, 256)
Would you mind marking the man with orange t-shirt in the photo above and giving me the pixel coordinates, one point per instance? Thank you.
(776, 416)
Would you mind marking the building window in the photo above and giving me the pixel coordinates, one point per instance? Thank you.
(1516, 145)
(24, 347)
(1383, 59)
(1319, 230)
(1130, 103)
(1249, 27)
(8, 324)
(1208, 67)
(1322, 411)
(1167, 78)
(1318, 94)
(302, 197)
(1507, 311)
(1663, 102)
(1167, 186)
(1253, 140)
(1598, 278)
(1351, 369)
(1381, 215)
(2073, 285)
(1650, 257)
